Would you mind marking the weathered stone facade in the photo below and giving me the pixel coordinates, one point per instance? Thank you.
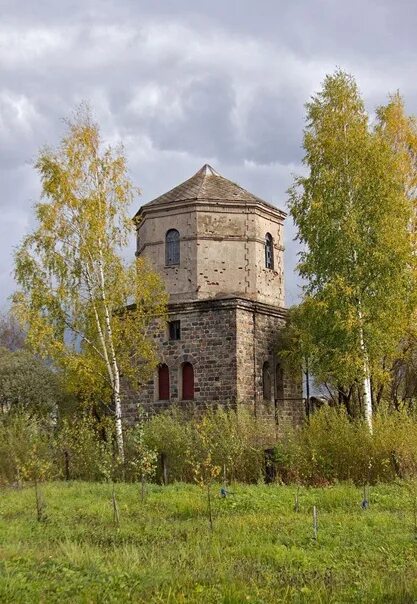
(228, 303)
(221, 247)
(257, 327)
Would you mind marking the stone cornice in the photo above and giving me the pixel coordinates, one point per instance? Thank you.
(224, 304)
(212, 206)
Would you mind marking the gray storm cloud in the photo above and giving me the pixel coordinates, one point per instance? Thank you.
(183, 83)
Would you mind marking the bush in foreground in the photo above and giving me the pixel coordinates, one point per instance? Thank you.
(330, 447)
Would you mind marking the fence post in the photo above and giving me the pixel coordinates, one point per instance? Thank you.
(315, 524)
(270, 469)
(164, 469)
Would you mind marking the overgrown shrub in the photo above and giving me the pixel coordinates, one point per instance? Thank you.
(85, 449)
(26, 448)
(141, 459)
(236, 440)
(332, 447)
(170, 434)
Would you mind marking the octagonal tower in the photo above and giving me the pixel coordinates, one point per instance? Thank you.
(223, 233)
(219, 250)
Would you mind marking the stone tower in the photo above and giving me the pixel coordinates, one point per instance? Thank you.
(219, 250)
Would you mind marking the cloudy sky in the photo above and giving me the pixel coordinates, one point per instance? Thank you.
(185, 82)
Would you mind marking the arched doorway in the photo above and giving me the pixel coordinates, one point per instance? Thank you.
(187, 382)
(163, 383)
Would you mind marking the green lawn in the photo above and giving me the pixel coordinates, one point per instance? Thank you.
(261, 550)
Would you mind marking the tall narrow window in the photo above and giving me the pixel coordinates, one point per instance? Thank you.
(269, 251)
(172, 247)
(163, 383)
(266, 381)
(279, 382)
(187, 382)
(174, 329)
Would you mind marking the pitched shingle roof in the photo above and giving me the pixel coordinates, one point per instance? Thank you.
(207, 185)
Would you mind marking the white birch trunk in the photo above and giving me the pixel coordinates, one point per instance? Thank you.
(366, 382)
(116, 388)
(114, 376)
(366, 379)
(111, 354)
(115, 369)
(367, 398)
(118, 418)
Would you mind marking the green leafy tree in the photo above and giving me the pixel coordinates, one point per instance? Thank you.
(400, 132)
(26, 382)
(353, 219)
(82, 304)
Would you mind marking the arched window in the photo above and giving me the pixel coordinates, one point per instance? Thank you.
(163, 383)
(279, 382)
(266, 381)
(172, 247)
(269, 251)
(187, 382)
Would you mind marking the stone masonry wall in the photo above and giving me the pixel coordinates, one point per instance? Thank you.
(227, 342)
(208, 342)
(257, 333)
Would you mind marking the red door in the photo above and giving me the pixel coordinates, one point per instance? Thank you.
(163, 380)
(187, 382)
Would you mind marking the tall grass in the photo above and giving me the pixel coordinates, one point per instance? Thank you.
(260, 551)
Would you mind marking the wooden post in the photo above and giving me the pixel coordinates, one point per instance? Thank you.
(270, 470)
(19, 480)
(210, 515)
(365, 500)
(116, 515)
(315, 524)
(40, 504)
(164, 469)
(66, 461)
(296, 502)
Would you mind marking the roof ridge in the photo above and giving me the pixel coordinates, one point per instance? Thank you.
(203, 171)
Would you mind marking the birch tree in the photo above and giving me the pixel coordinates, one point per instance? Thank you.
(82, 304)
(400, 132)
(352, 216)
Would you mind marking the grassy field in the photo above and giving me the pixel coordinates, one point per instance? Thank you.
(260, 550)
